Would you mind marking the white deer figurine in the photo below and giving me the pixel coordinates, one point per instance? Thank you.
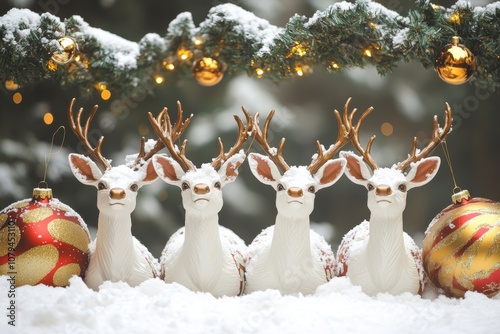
(289, 256)
(116, 255)
(202, 255)
(377, 254)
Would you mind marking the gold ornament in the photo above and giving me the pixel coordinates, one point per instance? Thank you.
(69, 50)
(455, 64)
(208, 71)
(461, 248)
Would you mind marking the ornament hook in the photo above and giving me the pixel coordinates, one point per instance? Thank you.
(47, 158)
(458, 194)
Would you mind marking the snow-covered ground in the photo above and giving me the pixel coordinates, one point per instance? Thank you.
(157, 307)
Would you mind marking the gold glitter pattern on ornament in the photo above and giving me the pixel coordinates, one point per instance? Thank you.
(6, 235)
(3, 219)
(64, 273)
(69, 232)
(22, 204)
(34, 264)
(495, 245)
(36, 215)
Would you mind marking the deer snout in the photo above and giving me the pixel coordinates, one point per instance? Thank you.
(295, 192)
(117, 193)
(383, 190)
(201, 189)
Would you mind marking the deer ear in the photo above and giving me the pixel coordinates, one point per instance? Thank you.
(168, 169)
(422, 172)
(229, 170)
(84, 169)
(150, 172)
(264, 169)
(330, 172)
(356, 170)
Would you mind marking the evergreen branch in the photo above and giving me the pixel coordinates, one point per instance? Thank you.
(345, 35)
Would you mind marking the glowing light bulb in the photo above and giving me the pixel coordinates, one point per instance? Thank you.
(259, 72)
(11, 84)
(198, 41)
(105, 94)
(455, 18)
(386, 129)
(17, 98)
(183, 53)
(48, 118)
(299, 71)
(159, 79)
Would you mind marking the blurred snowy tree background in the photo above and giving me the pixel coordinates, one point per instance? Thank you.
(407, 99)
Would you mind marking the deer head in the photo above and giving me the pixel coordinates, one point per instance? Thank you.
(387, 187)
(296, 186)
(117, 186)
(201, 187)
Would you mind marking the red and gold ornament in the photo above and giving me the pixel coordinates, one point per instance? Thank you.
(42, 241)
(461, 248)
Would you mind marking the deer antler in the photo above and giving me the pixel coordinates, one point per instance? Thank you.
(163, 128)
(355, 138)
(243, 134)
(82, 134)
(343, 136)
(437, 136)
(261, 138)
(162, 123)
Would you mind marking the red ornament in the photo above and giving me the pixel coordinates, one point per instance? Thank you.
(42, 241)
(461, 248)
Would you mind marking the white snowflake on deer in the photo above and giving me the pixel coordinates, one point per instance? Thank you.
(115, 254)
(377, 254)
(202, 255)
(289, 256)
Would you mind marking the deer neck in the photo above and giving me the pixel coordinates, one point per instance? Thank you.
(202, 249)
(291, 242)
(114, 245)
(385, 251)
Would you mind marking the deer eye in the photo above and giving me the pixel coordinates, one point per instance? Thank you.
(134, 187)
(370, 187)
(311, 189)
(217, 185)
(280, 187)
(101, 186)
(402, 187)
(185, 186)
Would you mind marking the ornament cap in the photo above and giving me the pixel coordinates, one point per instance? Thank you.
(455, 40)
(42, 193)
(458, 197)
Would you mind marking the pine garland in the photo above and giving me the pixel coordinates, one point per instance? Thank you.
(345, 35)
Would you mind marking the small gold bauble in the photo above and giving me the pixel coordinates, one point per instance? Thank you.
(208, 71)
(455, 64)
(69, 50)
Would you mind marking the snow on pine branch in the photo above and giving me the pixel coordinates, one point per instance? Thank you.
(245, 43)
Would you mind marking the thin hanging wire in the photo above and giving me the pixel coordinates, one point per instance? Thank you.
(47, 157)
(456, 188)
